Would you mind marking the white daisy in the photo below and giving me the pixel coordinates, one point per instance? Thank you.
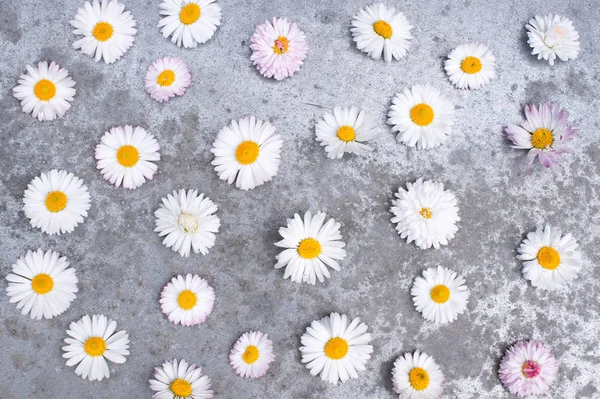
(126, 154)
(187, 301)
(417, 376)
(470, 66)
(550, 260)
(179, 380)
(422, 116)
(336, 349)
(377, 29)
(553, 36)
(167, 77)
(189, 22)
(108, 30)
(92, 342)
(425, 213)
(440, 295)
(45, 91)
(42, 284)
(344, 130)
(251, 354)
(56, 202)
(188, 222)
(247, 152)
(311, 246)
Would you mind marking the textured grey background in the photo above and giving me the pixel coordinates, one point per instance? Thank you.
(122, 265)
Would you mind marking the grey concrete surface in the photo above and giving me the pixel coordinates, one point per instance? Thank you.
(122, 265)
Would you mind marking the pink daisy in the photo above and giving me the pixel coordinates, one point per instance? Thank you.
(278, 49)
(167, 77)
(528, 368)
(544, 133)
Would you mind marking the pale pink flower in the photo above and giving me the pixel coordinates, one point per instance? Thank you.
(528, 368)
(167, 77)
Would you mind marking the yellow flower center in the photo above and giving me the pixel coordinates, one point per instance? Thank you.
(188, 222)
(187, 300)
(309, 248)
(251, 354)
(128, 156)
(425, 213)
(189, 14)
(44, 90)
(421, 114)
(166, 78)
(548, 258)
(471, 65)
(42, 284)
(94, 346)
(418, 378)
(281, 45)
(383, 29)
(56, 201)
(102, 31)
(346, 133)
(181, 388)
(247, 152)
(336, 348)
(542, 138)
(440, 294)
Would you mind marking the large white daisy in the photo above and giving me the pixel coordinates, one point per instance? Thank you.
(189, 22)
(187, 301)
(311, 246)
(108, 30)
(425, 213)
(251, 355)
(377, 30)
(56, 202)
(247, 152)
(45, 91)
(167, 77)
(552, 36)
(188, 222)
(550, 260)
(180, 380)
(417, 376)
(336, 349)
(422, 116)
(470, 66)
(42, 284)
(93, 340)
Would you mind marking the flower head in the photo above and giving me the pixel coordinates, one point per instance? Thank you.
(470, 66)
(189, 22)
(552, 36)
(417, 376)
(187, 300)
(251, 355)
(177, 379)
(528, 368)
(167, 77)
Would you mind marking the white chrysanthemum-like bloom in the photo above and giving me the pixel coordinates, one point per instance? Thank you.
(345, 131)
(92, 341)
(440, 295)
(470, 66)
(425, 213)
(42, 284)
(179, 380)
(311, 246)
(251, 355)
(422, 117)
(550, 260)
(417, 376)
(189, 22)
(108, 30)
(188, 222)
(336, 349)
(248, 152)
(56, 202)
(552, 36)
(378, 30)
(187, 301)
(528, 368)
(167, 77)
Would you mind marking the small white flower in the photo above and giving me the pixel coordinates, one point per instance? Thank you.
(470, 66)
(552, 36)
(187, 301)
(189, 22)
(179, 380)
(417, 376)
(251, 355)
(167, 77)
(528, 368)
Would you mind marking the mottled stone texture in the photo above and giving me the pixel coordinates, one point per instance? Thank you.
(122, 265)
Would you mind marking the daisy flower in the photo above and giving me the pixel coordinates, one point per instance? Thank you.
(552, 36)
(544, 133)
(278, 48)
(251, 355)
(528, 368)
(46, 91)
(56, 202)
(550, 260)
(377, 29)
(108, 31)
(188, 222)
(178, 380)
(187, 301)
(310, 246)
(167, 77)
(247, 152)
(417, 376)
(126, 154)
(344, 131)
(425, 213)
(42, 284)
(93, 340)
(189, 22)
(336, 349)
(470, 66)
(422, 116)
(440, 295)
